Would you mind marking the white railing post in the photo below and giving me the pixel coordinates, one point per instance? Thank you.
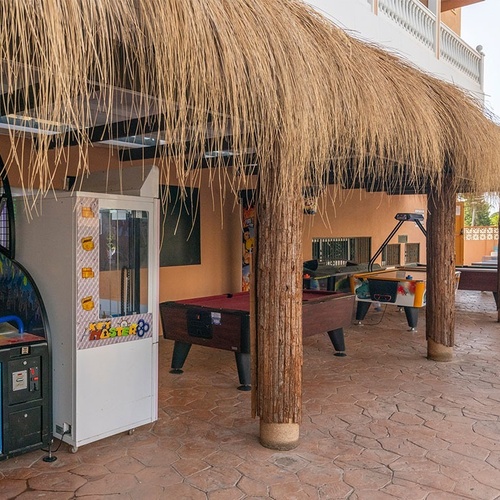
(374, 5)
(435, 7)
(479, 49)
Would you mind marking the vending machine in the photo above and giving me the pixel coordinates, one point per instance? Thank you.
(95, 259)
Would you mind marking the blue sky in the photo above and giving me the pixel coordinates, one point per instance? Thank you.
(481, 26)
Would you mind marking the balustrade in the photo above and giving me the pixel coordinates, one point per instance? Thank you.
(416, 19)
(413, 17)
(481, 233)
(459, 54)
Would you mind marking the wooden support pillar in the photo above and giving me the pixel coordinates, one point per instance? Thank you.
(440, 309)
(277, 356)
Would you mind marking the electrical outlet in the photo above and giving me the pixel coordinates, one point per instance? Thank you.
(66, 428)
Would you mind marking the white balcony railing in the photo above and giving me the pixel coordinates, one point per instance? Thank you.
(459, 54)
(413, 16)
(420, 22)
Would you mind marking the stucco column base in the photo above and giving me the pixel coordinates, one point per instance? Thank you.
(279, 436)
(438, 352)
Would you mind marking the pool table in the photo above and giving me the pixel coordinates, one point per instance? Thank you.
(223, 322)
(482, 279)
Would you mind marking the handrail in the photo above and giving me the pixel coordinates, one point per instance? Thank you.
(17, 319)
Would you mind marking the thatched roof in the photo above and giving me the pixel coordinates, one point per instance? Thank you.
(270, 78)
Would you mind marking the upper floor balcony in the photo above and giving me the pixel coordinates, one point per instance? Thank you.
(414, 31)
(420, 22)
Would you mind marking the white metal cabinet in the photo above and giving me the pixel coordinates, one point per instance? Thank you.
(104, 356)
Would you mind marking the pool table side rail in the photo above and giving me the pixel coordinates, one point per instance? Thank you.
(322, 312)
(481, 280)
(327, 315)
(232, 334)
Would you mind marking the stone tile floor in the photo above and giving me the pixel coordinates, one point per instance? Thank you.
(382, 423)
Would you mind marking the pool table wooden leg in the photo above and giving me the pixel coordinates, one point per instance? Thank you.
(181, 350)
(243, 366)
(412, 317)
(337, 338)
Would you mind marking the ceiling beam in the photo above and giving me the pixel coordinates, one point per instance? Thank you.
(13, 103)
(108, 131)
(217, 143)
(250, 163)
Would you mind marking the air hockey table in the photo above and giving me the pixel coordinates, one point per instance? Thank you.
(401, 286)
(223, 322)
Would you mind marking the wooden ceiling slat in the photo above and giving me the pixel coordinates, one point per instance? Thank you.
(456, 4)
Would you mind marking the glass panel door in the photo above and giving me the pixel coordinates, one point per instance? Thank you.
(123, 262)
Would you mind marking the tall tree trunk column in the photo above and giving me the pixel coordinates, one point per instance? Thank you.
(440, 309)
(277, 356)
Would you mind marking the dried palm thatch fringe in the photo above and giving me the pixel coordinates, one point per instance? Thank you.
(278, 78)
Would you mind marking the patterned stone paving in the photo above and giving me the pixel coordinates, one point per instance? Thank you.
(382, 423)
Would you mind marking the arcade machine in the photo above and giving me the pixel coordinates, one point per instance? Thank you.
(25, 373)
(403, 287)
(95, 257)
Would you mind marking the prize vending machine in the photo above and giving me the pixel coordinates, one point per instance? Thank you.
(95, 259)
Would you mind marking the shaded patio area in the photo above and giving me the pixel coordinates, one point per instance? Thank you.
(383, 422)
